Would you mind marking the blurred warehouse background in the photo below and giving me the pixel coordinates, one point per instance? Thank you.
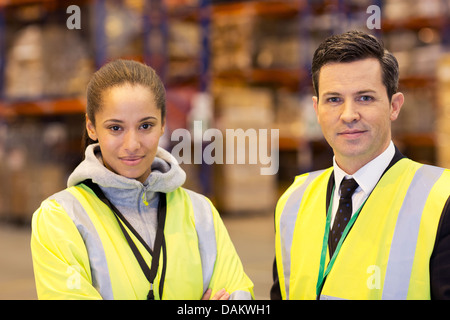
(229, 64)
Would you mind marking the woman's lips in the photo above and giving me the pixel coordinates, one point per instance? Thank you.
(131, 161)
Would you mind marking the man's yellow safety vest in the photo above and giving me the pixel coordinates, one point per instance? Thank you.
(80, 252)
(386, 254)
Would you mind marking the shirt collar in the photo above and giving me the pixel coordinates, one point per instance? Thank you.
(367, 176)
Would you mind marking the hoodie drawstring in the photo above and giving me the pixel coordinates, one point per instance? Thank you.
(144, 198)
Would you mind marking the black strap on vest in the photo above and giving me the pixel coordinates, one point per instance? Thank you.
(150, 273)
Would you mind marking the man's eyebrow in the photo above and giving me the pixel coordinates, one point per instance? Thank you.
(331, 93)
(366, 91)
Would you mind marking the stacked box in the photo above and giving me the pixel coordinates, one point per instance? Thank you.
(184, 49)
(241, 187)
(28, 187)
(289, 114)
(34, 165)
(230, 45)
(34, 66)
(277, 43)
(4, 195)
(123, 29)
(404, 9)
(443, 122)
(240, 42)
(418, 114)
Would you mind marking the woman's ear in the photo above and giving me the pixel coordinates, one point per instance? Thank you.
(163, 127)
(90, 128)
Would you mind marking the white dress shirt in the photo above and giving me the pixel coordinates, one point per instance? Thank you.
(367, 177)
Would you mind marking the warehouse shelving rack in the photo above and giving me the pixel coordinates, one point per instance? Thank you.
(156, 18)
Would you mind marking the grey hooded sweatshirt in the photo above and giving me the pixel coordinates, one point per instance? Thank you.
(138, 202)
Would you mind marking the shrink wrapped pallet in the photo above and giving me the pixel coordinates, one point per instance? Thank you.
(240, 186)
(48, 61)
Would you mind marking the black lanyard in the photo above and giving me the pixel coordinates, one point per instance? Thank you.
(150, 274)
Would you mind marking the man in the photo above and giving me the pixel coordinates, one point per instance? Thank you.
(386, 233)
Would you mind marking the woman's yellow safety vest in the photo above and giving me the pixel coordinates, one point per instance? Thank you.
(386, 254)
(80, 252)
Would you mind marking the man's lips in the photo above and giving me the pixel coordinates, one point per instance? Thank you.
(352, 133)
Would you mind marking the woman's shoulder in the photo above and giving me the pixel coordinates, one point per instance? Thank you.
(60, 202)
(192, 195)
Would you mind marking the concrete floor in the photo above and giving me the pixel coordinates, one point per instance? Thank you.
(16, 270)
(252, 236)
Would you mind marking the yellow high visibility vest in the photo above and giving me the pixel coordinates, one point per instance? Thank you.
(385, 255)
(80, 252)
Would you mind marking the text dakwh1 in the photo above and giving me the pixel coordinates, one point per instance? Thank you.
(225, 309)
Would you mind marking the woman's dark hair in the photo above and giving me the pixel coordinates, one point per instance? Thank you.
(352, 46)
(117, 73)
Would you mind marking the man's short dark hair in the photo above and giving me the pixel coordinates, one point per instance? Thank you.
(353, 46)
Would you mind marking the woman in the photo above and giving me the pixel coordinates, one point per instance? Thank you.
(125, 228)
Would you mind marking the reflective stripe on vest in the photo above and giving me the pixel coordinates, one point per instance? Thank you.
(204, 225)
(287, 223)
(94, 247)
(207, 242)
(403, 247)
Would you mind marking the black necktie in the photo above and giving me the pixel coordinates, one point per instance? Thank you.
(344, 212)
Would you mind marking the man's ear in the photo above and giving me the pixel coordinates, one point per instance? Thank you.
(90, 127)
(396, 105)
(316, 107)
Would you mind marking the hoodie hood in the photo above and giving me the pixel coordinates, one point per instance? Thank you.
(166, 175)
(137, 201)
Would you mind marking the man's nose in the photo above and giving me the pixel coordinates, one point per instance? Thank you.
(349, 112)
